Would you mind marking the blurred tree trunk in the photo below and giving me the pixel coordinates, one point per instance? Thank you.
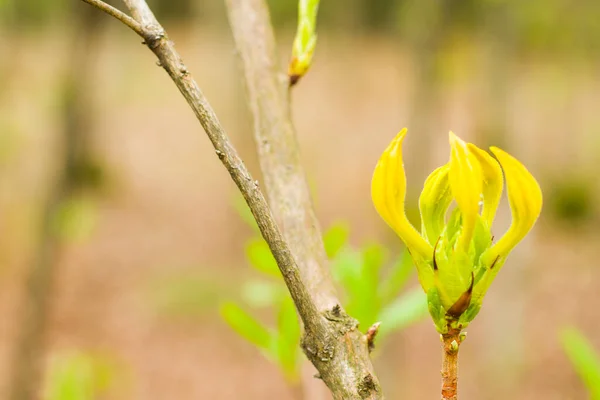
(29, 350)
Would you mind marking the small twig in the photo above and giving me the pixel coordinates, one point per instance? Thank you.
(451, 343)
(118, 14)
(371, 334)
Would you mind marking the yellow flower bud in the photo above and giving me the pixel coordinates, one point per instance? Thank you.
(455, 258)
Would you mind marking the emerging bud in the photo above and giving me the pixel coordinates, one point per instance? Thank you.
(455, 257)
(305, 40)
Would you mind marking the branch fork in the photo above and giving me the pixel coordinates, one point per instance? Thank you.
(331, 340)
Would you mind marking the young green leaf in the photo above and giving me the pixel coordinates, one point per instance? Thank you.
(246, 325)
(288, 340)
(358, 284)
(405, 310)
(335, 238)
(373, 257)
(398, 276)
(260, 257)
(346, 270)
(585, 360)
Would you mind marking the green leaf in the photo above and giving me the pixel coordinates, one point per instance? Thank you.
(469, 314)
(246, 326)
(348, 272)
(288, 340)
(358, 274)
(260, 257)
(373, 257)
(335, 238)
(584, 358)
(345, 268)
(398, 276)
(436, 310)
(403, 312)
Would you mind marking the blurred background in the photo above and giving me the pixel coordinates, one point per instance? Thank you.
(124, 251)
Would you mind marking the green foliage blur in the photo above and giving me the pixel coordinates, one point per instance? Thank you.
(584, 358)
(372, 291)
(547, 26)
(78, 376)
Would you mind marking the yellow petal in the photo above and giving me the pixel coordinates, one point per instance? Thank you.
(388, 191)
(466, 183)
(525, 198)
(492, 183)
(434, 202)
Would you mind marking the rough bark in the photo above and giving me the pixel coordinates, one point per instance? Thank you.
(331, 341)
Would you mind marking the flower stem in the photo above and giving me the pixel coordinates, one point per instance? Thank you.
(451, 342)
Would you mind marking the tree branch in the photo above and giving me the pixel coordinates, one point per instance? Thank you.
(275, 137)
(118, 14)
(170, 60)
(347, 368)
(332, 341)
(163, 48)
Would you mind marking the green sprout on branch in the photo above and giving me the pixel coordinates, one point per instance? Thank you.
(373, 292)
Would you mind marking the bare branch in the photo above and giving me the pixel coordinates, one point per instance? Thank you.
(275, 137)
(121, 16)
(141, 12)
(170, 60)
(346, 368)
(332, 341)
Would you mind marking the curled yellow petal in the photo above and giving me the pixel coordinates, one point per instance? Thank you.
(492, 183)
(525, 198)
(388, 191)
(434, 202)
(466, 183)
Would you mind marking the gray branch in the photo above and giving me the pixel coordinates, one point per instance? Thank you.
(118, 14)
(331, 341)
